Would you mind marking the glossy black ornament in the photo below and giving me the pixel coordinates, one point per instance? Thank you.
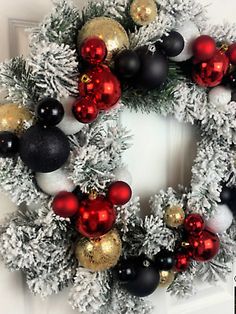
(233, 98)
(44, 149)
(49, 111)
(142, 277)
(228, 197)
(9, 144)
(232, 79)
(172, 44)
(165, 260)
(127, 63)
(126, 270)
(154, 69)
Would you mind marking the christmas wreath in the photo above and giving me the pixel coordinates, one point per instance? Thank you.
(61, 144)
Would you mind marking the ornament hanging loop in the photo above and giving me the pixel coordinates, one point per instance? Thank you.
(85, 79)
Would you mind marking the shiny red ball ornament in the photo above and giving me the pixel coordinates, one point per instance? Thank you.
(65, 204)
(211, 72)
(182, 261)
(204, 246)
(119, 193)
(194, 224)
(103, 85)
(85, 109)
(96, 217)
(231, 54)
(93, 50)
(204, 48)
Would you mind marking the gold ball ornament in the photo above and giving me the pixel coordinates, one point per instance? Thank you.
(143, 12)
(109, 30)
(174, 216)
(12, 118)
(166, 278)
(99, 254)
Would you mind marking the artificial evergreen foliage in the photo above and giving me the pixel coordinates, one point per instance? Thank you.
(39, 243)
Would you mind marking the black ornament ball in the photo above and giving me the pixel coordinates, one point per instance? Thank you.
(126, 270)
(233, 98)
(127, 63)
(9, 144)
(140, 274)
(165, 260)
(49, 111)
(44, 149)
(232, 80)
(172, 44)
(154, 69)
(228, 197)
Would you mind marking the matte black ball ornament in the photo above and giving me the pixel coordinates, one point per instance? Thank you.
(49, 111)
(141, 276)
(9, 144)
(44, 149)
(172, 44)
(165, 260)
(154, 69)
(127, 63)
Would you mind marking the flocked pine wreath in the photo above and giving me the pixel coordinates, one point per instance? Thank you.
(76, 222)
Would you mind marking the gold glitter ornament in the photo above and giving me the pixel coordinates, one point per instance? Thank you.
(109, 30)
(101, 253)
(166, 278)
(12, 118)
(174, 216)
(143, 12)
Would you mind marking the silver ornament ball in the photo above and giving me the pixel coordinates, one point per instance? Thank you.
(69, 125)
(54, 182)
(220, 96)
(221, 219)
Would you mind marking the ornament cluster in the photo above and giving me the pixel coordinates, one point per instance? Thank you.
(142, 275)
(94, 216)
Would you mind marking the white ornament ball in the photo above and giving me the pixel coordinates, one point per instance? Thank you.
(69, 125)
(221, 220)
(220, 96)
(54, 182)
(123, 174)
(190, 32)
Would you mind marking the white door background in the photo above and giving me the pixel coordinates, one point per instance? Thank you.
(161, 156)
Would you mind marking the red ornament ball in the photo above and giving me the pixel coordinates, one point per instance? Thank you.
(204, 48)
(211, 72)
(93, 50)
(65, 204)
(103, 85)
(96, 217)
(182, 261)
(119, 193)
(85, 109)
(194, 223)
(204, 246)
(231, 53)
